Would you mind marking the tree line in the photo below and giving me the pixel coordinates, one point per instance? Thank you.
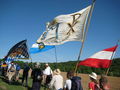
(70, 65)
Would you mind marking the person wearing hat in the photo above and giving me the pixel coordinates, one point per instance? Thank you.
(37, 76)
(93, 85)
(57, 80)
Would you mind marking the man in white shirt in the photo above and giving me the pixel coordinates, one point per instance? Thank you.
(47, 74)
(47, 70)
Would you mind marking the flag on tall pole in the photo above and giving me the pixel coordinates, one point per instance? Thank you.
(65, 28)
(102, 59)
(18, 51)
(85, 33)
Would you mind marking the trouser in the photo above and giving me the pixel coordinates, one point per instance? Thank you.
(17, 75)
(36, 86)
(10, 75)
(25, 77)
(48, 79)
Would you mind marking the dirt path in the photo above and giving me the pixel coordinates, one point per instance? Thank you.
(114, 81)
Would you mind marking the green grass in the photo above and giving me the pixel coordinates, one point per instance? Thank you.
(5, 86)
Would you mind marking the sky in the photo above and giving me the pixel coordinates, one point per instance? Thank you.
(26, 19)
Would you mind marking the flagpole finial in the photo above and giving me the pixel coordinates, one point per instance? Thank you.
(118, 40)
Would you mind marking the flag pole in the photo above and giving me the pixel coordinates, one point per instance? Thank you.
(113, 54)
(56, 57)
(29, 55)
(86, 30)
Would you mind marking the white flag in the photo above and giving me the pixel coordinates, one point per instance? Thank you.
(65, 28)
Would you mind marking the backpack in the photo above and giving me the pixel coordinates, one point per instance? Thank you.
(37, 74)
(18, 68)
(76, 83)
(26, 69)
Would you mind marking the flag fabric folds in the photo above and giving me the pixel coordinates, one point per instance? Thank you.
(101, 59)
(18, 51)
(9, 60)
(65, 28)
(36, 48)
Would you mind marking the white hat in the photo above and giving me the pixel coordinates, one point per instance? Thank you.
(37, 64)
(93, 75)
(57, 71)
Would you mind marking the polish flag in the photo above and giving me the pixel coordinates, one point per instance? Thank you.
(100, 59)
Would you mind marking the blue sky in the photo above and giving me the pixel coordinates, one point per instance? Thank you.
(26, 19)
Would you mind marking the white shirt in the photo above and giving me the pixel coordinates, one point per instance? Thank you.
(56, 82)
(47, 71)
(68, 84)
(9, 66)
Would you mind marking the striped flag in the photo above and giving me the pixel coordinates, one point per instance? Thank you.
(100, 59)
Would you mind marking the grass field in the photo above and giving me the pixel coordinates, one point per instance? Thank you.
(4, 85)
(114, 83)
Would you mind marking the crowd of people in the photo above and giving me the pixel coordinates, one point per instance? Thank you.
(51, 80)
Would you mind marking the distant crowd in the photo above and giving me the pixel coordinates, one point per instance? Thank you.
(50, 80)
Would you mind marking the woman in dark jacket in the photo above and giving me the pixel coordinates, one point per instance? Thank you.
(37, 76)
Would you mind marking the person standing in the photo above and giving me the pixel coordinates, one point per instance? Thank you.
(47, 74)
(11, 71)
(17, 72)
(68, 82)
(4, 69)
(57, 81)
(25, 74)
(93, 85)
(73, 82)
(103, 81)
(37, 76)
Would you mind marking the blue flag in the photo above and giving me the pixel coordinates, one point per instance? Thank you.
(36, 48)
(20, 49)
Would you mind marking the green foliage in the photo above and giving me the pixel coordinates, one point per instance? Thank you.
(1, 59)
(5, 86)
(115, 68)
(70, 66)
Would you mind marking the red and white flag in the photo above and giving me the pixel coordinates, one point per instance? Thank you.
(100, 59)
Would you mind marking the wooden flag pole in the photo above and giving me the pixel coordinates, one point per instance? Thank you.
(113, 54)
(84, 37)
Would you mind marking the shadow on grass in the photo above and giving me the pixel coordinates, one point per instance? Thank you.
(14, 83)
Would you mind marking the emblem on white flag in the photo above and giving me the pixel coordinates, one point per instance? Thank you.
(65, 28)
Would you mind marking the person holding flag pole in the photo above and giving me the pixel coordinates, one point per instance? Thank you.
(65, 28)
